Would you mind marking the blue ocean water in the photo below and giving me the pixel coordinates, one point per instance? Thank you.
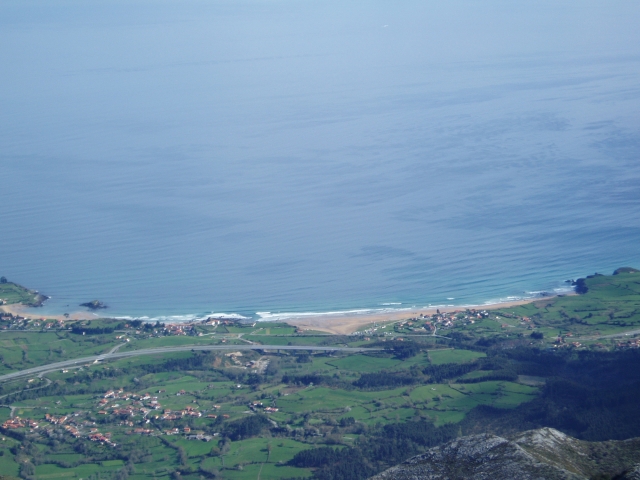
(180, 158)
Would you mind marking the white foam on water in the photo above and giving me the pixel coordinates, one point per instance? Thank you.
(387, 307)
(270, 317)
(229, 316)
(562, 290)
(186, 318)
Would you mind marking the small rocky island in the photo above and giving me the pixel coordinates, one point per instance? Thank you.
(94, 305)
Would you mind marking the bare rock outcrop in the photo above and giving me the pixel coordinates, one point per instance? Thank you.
(533, 455)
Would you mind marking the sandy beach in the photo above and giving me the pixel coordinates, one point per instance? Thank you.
(339, 324)
(346, 324)
(27, 312)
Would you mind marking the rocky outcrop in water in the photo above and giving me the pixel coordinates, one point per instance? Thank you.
(536, 454)
(94, 305)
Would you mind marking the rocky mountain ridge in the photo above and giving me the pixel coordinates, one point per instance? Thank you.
(545, 453)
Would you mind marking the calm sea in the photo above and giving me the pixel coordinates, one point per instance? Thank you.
(180, 158)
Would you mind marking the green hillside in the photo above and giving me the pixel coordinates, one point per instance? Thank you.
(610, 305)
(12, 293)
(569, 362)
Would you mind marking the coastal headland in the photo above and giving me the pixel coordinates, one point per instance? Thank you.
(13, 294)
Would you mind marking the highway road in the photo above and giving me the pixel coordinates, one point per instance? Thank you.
(113, 354)
(623, 334)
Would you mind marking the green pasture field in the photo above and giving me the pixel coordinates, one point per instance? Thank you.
(450, 403)
(145, 359)
(13, 293)
(245, 458)
(342, 403)
(22, 350)
(162, 461)
(485, 327)
(364, 363)
(4, 414)
(394, 414)
(611, 305)
(421, 360)
(267, 471)
(240, 329)
(289, 340)
(272, 328)
(73, 457)
(7, 465)
(185, 382)
(439, 357)
(81, 471)
(321, 362)
(381, 326)
(256, 450)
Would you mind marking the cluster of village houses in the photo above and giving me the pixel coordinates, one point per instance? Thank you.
(65, 421)
(634, 343)
(187, 329)
(17, 422)
(562, 342)
(152, 403)
(254, 406)
(430, 323)
(18, 322)
(142, 405)
(145, 404)
(449, 319)
(74, 429)
(179, 329)
(229, 322)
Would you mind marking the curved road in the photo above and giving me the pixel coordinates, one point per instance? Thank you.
(150, 351)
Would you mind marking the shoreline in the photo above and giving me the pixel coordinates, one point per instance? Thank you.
(338, 323)
(21, 310)
(346, 324)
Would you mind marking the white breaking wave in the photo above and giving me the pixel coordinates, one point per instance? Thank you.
(229, 316)
(186, 318)
(561, 290)
(392, 307)
(270, 317)
(526, 296)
